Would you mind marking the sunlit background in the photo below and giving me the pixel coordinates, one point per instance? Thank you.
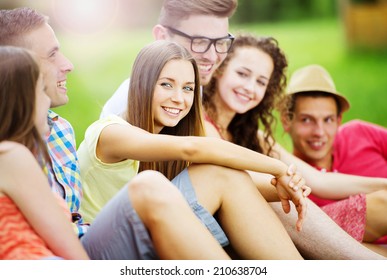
(85, 16)
(89, 17)
(102, 38)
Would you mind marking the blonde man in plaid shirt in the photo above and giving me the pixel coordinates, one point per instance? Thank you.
(23, 27)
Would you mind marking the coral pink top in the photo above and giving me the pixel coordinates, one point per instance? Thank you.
(18, 240)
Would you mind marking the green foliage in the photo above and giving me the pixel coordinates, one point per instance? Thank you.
(364, 1)
(250, 11)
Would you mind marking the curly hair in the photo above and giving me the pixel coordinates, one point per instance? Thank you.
(244, 127)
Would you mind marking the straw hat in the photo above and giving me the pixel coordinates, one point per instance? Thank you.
(314, 78)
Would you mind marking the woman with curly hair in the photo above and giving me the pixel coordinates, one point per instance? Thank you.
(255, 64)
(239, 103)
(242, 95)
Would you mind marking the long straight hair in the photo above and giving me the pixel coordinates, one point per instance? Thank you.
(146, 71)
(19, 74)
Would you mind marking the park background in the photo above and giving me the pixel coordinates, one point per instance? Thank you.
(102, 38)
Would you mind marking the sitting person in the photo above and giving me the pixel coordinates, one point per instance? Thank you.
(202, 27)
(155, 203)
(32, 223)
(161, 131)
(164, 213)
(241, 98)
(311, 114)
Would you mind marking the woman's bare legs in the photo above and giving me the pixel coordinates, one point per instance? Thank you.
(175, 230)
(254, 231)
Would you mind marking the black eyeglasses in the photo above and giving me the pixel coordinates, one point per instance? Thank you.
(201, 44)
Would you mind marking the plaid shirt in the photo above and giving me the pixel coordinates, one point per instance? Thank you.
(64, 173)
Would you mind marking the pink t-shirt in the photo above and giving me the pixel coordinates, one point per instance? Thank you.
(360, 148)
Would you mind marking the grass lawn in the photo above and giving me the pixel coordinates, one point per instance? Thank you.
(103, 61)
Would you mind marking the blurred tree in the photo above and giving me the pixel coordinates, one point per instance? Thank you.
(365, 23)
(363, 1)
(10, 4)
(278, 10)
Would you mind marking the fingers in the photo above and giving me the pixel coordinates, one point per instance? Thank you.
(306, 190)
(299, 224)
(291, 169)
(285, 205)
(301, 209)
(297, 196)
(300, 220)
(299, 182)
(273, 181)
(296, 181)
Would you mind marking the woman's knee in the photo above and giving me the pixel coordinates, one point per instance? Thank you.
(213, 184)
(152, 194)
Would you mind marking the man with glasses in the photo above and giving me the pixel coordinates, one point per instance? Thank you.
(201, 44)
(202, 27)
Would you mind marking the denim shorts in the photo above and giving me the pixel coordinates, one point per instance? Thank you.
(184, 184)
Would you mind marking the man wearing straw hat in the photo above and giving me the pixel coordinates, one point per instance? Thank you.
(312, 117)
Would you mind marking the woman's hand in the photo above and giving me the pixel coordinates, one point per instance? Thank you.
(291, 186)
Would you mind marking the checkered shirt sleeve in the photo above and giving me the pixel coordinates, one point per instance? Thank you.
(65, 172)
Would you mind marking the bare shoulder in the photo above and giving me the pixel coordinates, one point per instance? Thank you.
(16, 163)
(13, 153)
(7, 147)
(211, 130)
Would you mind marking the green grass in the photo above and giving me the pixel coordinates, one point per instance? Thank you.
(103, 61)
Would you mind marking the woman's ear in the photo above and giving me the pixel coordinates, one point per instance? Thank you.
(160, 32)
